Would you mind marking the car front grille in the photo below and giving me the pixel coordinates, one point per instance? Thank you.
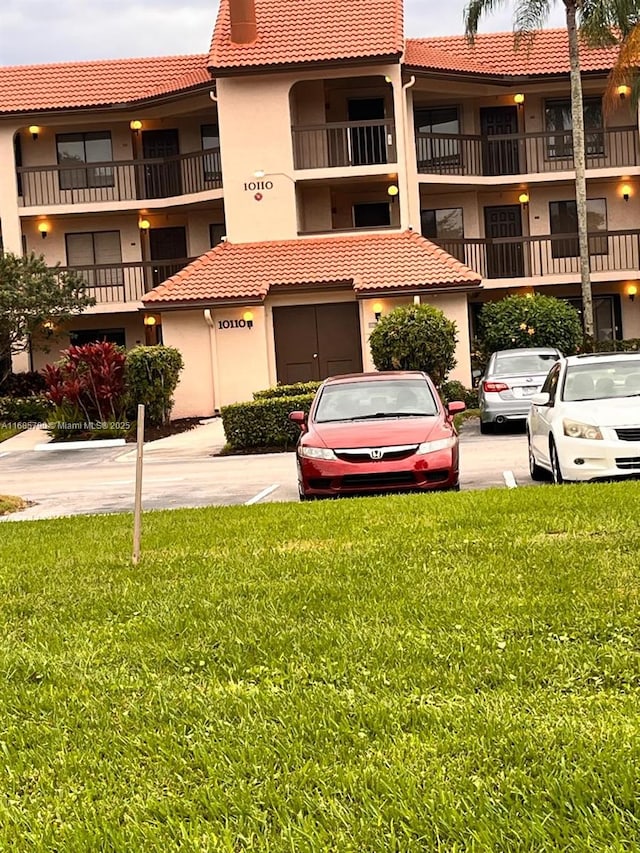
(389, 454)
(628, 463)
(629, 433)
(383, 480)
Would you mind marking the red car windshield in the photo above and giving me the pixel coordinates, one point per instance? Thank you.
(375, 399)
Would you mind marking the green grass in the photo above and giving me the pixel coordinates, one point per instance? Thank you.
(7, 432)
(454, 672)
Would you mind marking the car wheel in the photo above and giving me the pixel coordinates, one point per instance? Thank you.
(556, 471)
(486, 427)
(538, 474)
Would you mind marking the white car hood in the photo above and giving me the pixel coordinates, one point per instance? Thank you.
(622, 411)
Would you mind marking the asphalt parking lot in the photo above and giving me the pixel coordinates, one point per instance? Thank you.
(73, 482)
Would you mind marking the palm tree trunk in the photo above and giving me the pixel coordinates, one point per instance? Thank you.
(577, 116)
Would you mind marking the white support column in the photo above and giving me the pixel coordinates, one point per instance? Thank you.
(9, 218)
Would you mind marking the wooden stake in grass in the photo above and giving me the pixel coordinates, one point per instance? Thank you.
(137, 509)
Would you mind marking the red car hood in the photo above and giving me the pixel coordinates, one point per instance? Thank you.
(374, 433)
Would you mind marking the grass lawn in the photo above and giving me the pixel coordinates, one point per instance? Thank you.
(455, 672)
(7, 432)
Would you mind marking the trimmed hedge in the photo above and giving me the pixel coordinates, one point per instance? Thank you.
(264, 423)
(23, 384)
(629, 345)
(25, 409)
(454, 390)
(294, 390)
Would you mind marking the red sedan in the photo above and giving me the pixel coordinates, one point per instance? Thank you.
(377, 432)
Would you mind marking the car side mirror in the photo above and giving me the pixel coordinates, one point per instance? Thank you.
(541, 399)
(298, 418)
(456, 407)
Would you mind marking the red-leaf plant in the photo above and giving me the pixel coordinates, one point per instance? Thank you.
(91, 378)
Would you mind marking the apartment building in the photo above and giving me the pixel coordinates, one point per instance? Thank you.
(260, 207)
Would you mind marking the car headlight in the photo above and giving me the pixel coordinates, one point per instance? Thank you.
(575, 429)
(433, 446)
(316, 452)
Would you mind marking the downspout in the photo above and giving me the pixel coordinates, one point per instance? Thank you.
(213, 355)
(405, 122)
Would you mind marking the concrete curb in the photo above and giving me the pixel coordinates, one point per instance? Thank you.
(82, 445)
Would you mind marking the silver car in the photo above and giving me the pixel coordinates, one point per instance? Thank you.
(512, 377)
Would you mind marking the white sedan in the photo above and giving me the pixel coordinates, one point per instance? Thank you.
(584, 424)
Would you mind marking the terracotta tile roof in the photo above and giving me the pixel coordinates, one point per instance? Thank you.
(64, 85)
(370, 262)
(303, 31)
(495, 54)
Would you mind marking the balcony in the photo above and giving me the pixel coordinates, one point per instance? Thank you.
(343, 144)
(524, 153)
(548, 255)
(111, 283)
(122, 180)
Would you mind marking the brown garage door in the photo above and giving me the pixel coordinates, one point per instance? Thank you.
(316, 341)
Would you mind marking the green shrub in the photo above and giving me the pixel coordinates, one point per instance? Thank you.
(415, 337)
(152, 374)
(293, 390)
(530, 321)
(23, 384)
(628, 345)
(263, 423)
(24, 409)
(454, 390)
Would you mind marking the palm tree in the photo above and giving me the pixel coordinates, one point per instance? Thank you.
(598, 19)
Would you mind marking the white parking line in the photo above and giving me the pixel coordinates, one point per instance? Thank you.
(509, 479)
(4, 453)
(262, 494)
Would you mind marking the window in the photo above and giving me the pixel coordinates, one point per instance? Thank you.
(92, 248)
(371, 215)
(444, 225)
(76, 148)
(443, 153)
(563, 219)
(210, 137)
(216, 232)
(557, 115)
(92, 336)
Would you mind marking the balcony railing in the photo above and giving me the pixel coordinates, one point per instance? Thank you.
(549, 255)
(109, 283)
(345, 143)
(122, 180)
(524, 153)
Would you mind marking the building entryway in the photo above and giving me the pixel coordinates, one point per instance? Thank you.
(504, 259)
(164, 178)
(499, 156)
(167, 244)
(316, 341)
(368, 142)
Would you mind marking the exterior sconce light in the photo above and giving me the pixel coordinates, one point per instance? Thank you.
(248, 318)
(144, 224)
(34, 130)
(632, 289)
(48, 327)
(259, 173)
(523, 198)
(149, 320)
(44, 228)
(625, 189)
(135, 125)
(387, 79)
(518, 99)
(623, 91)
(377, 310)
(393, 191)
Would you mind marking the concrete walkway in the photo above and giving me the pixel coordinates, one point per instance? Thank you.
(206, 438)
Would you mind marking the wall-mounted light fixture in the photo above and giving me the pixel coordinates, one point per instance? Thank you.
(48, 327)
(44, 228)
(623, 91)
(34, 130)
(144, 224)
(523, 198)
(377, 310)
(518, 99)
(625, 190)
(387, 79)
(149, 320)
(631, 290)
(248, 318)
(135, 124)
(393, 191)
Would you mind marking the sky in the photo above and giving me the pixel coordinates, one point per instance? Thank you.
(40, 31)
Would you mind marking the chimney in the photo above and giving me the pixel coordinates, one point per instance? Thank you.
(244, 29)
